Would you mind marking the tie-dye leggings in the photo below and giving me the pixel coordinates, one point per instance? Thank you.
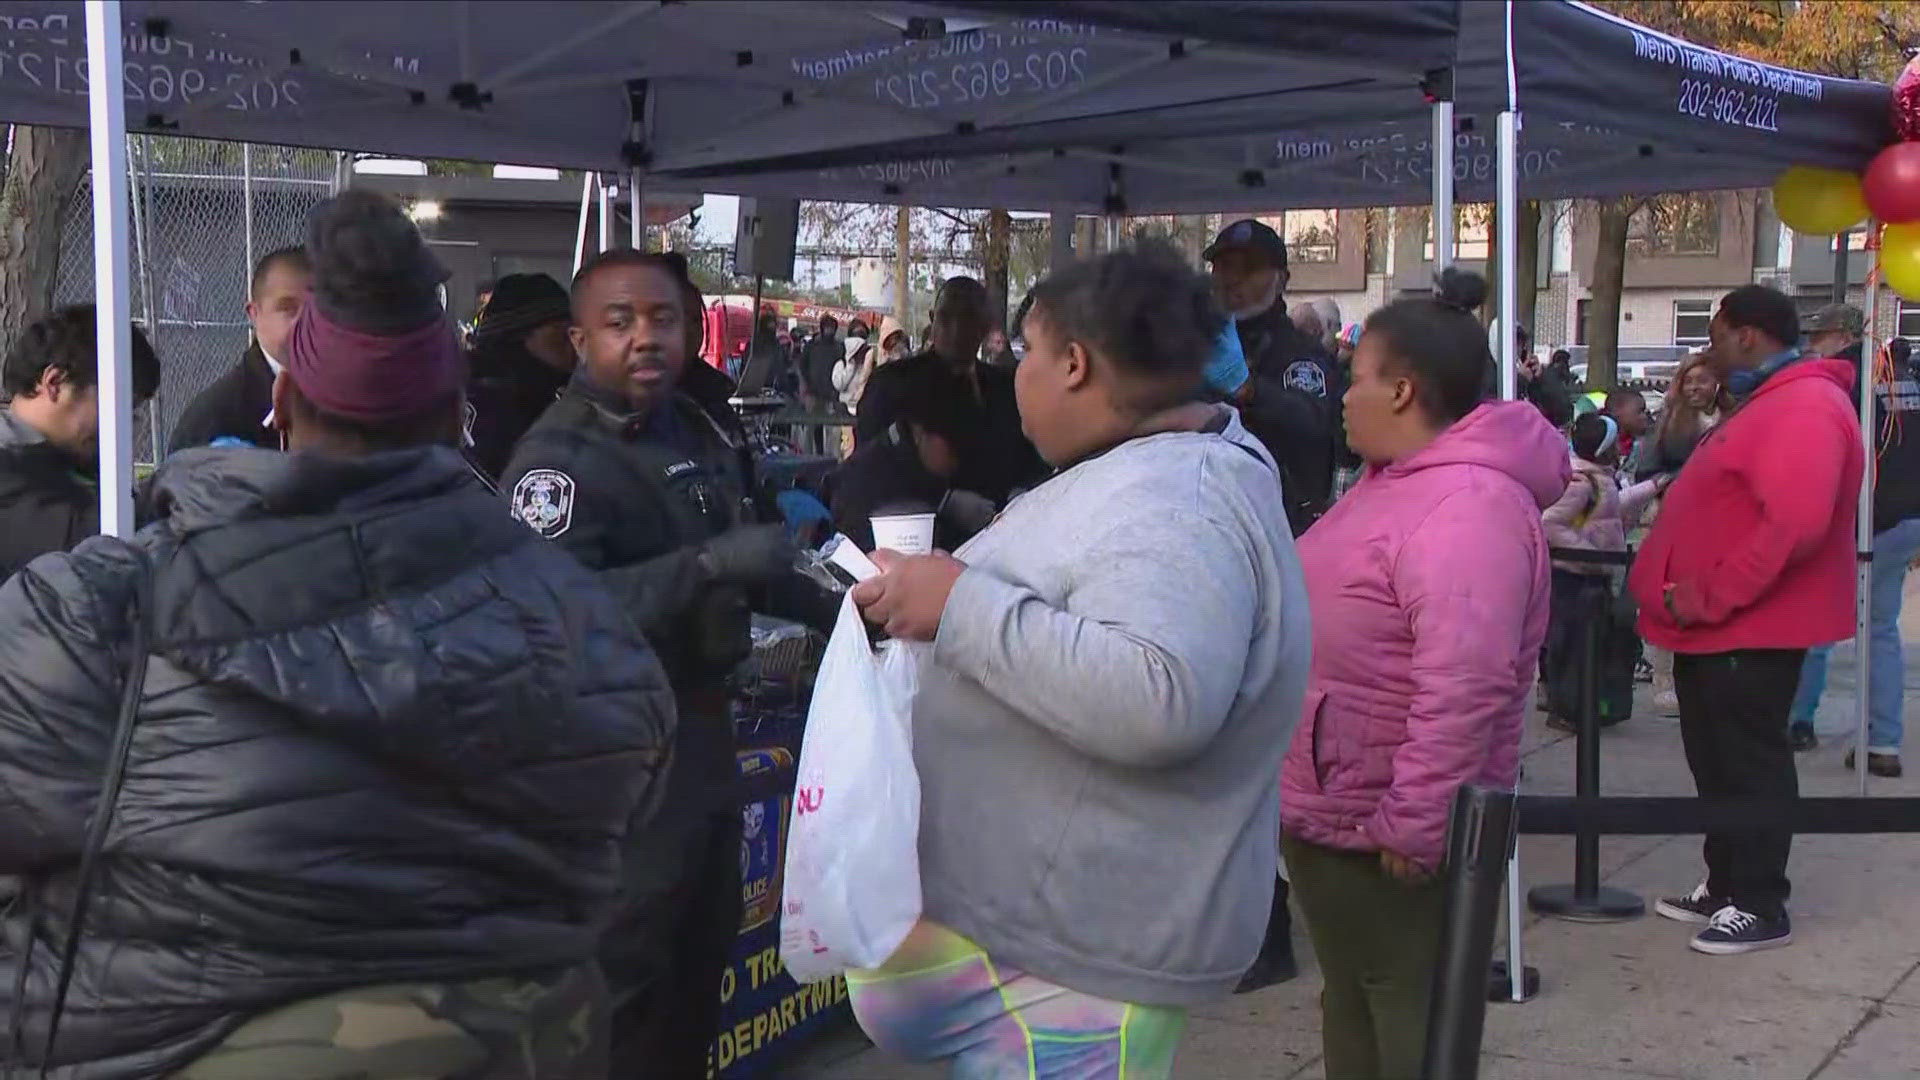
(941, 996)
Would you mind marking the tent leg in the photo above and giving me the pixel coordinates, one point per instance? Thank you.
(1507, 213)
(1442, 143)
(107, 131)
(1863, 568)
(1059, 241)
(580, 225)
(637, 204)
(606, 211)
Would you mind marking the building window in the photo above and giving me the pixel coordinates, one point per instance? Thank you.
(1580, 310)
(1472, 234)
(1909, 324)
(1675, 225)
(1856, 241)
(1690, 319)
(1312, 236)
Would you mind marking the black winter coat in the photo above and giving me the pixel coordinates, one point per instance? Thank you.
(46, 504)
(387, 735)
(235, 406)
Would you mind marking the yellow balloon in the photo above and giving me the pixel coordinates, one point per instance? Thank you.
(1900, 260)
(1819, 201)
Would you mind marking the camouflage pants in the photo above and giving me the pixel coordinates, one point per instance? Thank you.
(492, 1029)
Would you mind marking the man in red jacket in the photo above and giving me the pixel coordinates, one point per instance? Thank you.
(1751, 563)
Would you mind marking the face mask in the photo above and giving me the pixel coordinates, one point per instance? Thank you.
(1227, 368)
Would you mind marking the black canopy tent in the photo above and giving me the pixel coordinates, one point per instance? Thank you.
(1103, 106)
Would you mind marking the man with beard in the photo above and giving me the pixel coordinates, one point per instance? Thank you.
(640, 471)
(995, 458)
(235, 407)
(1291, 400)
(519, 362)
(50, 434)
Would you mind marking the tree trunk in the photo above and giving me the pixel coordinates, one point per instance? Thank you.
(42, 173)
(1609, 278)
(903, 264)
(1527, 251)
(998, 254)
(1527, 266)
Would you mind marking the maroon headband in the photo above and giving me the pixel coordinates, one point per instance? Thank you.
(373, 377)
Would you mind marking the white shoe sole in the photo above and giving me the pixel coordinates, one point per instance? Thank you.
(1735, 948)
(1680, 914)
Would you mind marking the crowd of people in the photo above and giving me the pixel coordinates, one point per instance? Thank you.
(411, 690)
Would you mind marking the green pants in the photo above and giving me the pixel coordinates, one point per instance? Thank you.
(1377, 940)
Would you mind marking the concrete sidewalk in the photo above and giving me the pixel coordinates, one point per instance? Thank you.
(1630, 1001)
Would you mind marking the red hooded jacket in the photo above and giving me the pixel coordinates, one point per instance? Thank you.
(1756, 535)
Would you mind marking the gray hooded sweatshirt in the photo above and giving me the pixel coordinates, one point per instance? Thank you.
(1100, 728)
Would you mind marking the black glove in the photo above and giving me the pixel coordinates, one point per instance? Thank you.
(748, 555)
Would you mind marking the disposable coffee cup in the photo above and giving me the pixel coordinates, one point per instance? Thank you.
(908, 534)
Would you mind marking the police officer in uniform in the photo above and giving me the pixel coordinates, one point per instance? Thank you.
(640, 469)
(1291, 402)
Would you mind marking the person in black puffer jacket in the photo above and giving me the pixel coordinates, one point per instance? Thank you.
(388, 756)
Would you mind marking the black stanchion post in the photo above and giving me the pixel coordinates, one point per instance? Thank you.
(1479, 838)
(1586, 900)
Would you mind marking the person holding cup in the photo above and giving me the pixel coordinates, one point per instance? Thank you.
(1115, 665)
(904, 480)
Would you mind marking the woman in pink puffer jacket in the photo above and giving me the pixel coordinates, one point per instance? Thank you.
(1429, 588)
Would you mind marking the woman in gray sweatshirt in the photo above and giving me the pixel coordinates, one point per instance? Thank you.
(1116, 665)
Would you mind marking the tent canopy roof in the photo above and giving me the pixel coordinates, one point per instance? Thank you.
(1086, 105)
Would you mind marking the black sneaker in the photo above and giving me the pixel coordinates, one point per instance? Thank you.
(1733, 931)
(1697, 907)
(1802, 738)
(1269, 969)
(1883, 765)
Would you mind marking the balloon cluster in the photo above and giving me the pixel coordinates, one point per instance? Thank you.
(1826, 201)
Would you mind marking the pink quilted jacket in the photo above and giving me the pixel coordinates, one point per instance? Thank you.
(1429, 588)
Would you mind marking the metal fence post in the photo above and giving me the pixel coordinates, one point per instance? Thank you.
(1586, 900)
(1480, 837)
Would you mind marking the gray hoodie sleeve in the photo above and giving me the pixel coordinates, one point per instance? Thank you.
(1140, 661)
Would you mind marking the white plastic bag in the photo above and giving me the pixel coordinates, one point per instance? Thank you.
(852, 887)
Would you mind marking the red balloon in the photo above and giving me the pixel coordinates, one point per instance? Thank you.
(1892, 184)
(1906, 101)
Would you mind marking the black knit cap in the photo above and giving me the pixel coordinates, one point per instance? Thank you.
(372, 271)
(520, 303)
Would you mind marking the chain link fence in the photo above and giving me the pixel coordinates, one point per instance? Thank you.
(203, 213)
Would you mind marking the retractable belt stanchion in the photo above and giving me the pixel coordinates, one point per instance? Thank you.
(1586, 900)
(1480, 839)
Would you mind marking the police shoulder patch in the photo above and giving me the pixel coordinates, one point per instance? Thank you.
(1306, 375)
(543, 499)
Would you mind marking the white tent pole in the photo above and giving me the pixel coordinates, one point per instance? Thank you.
(1507, 213)
(107, 131)
(1442, 185)
(1516, 917)
(637, 227)
(580, 227)
(1863, 528)
(1059, 241)
(606, 211)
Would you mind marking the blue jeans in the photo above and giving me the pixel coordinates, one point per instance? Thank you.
(1886, 679)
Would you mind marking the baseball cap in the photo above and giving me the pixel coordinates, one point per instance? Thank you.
(1842, 317)
(1248, 233)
